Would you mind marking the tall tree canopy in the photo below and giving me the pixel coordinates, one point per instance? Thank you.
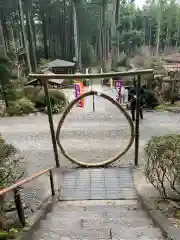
(91, 30)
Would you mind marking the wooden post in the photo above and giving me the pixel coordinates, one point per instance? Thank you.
(48, 102)
(137, 120)
(19, 207)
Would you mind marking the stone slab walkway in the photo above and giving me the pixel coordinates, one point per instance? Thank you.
(101, 183)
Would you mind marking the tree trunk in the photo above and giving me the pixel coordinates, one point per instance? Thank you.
(101, 37)
(61, 36)
(107, 44)
(96, 48)
(168, 34)
(5, 30)
(102, 21)
(34, 34)
(31, 42)
(178, 31)
(80, 59)
(75, 30)
(114, 32)
(24, 36)
(150, 33)
(4, 96)
(65, 29)
(100, 44)
(3, 52)
(173, 89)
(161, 8)
(158, 38)
(177, 39)
(117, 32)
(44, 30)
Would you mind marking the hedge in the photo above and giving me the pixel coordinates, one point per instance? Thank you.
(20, 106)
(11, 170)
(57, 98)
(150, 99)
(163, 164)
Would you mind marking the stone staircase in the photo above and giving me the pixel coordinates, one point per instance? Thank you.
(90, 220)
(98, 203)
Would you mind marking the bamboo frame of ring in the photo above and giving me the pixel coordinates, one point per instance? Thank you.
(45, 77)
(67, 111)
(44, 80)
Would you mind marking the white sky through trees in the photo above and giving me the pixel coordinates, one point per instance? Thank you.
(140, 3)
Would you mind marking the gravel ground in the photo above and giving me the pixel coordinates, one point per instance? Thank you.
(86, 135)
(89, 136)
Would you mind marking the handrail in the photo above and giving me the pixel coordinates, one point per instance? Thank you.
(17, 198)
(23, 181)
(97, 75)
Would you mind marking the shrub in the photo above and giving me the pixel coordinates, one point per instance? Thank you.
(17, 108)
(163, 164)
(123, 62)
(19, 93)
(57, 94)
(56, 108)
(69, 82)
(8, 234)
(150, 99)
(32, 92)
(10, 171)
(15, 93)
(14, 109)
(26, 105)
(44, 61)
(56, 97)
(10, 166)
(160, 108)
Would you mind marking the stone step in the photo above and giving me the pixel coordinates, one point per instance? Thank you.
(109, 217)
(118, 233)
(136, 233)
(90, 220)
(74, 226)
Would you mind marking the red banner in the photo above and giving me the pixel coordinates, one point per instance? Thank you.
(79, 90)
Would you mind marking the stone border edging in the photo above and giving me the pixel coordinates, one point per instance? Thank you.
(173, 110)
(35, 220)
(159, 220)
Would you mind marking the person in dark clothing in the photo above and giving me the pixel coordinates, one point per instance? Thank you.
(132, 99)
